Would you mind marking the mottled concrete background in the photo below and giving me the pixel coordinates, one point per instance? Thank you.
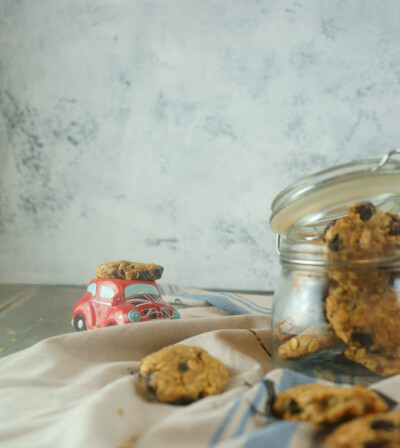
(161, 130)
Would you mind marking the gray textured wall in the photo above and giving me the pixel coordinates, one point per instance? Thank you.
(162, 130)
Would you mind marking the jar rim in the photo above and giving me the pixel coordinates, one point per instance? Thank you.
(302, 210)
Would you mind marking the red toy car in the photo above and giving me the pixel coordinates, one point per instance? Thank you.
(113, 302)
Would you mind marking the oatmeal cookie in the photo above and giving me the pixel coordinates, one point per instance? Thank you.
(181, 374)
(381, 364)
(365, 232)
(320, 403)
(128, 270)
(371, 431)
(360, 279)
(365, 319)
(312, 340)
(286, 330)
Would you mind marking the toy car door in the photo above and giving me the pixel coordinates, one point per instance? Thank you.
(102, 303)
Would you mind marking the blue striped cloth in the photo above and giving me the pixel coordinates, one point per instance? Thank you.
(237, 429)
(233, 303)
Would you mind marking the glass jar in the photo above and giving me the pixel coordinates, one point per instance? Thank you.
(336, 311)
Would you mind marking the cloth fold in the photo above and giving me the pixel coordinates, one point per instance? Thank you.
(82, 389)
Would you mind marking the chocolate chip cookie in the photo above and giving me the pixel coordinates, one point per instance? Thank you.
(181, 374)
(320, 403)
(366, 232)
(365, 319)
(371, 431)
(128, 270)
(382, 364)
(362, 306)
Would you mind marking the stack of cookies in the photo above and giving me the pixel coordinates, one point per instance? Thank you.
(361, 307)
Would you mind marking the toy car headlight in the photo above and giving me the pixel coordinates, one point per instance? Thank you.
(134, 316)
(176, 315)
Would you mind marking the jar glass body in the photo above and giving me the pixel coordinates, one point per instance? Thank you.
(361, 300)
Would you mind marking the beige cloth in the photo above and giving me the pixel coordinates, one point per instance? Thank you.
(81, 389)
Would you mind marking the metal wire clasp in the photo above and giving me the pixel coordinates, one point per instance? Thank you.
(278, 244)
(385, 159)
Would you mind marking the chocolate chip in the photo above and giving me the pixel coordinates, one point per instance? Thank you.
(378, 351)
(182, 367)
(386, 425)
(183, 401)
(365, 339)
(376, 444)
(394, 227)
(292, 407)
(365, 211)
(149, 381)
(334, 243)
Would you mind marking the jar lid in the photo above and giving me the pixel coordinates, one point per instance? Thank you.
(303, 210)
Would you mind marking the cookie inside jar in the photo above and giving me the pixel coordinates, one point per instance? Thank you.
(336, 312)
(342, 317)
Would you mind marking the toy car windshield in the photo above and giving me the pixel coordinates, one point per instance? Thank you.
(139, 289)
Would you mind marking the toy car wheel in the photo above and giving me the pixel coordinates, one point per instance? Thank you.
(80, 323)
(111, 324)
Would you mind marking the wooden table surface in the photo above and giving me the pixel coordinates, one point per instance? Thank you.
(30, 313)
